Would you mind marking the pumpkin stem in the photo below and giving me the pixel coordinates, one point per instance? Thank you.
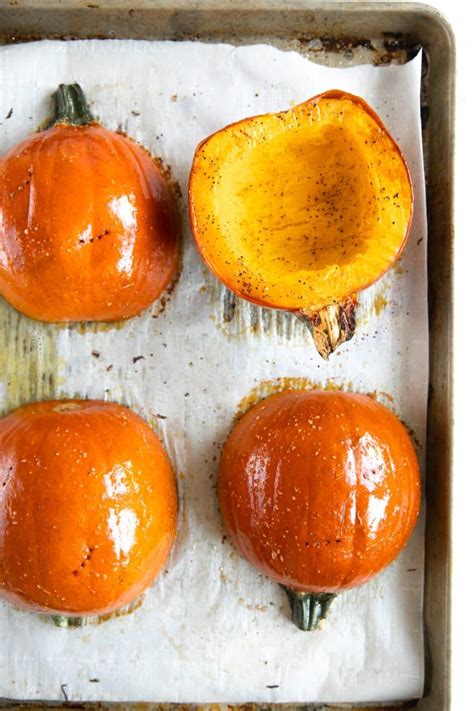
(70, 106)
(308, 610)
(332, 325)
(69, 621)
(64, 621)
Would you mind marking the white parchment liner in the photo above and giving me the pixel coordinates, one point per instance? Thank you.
(212, 628)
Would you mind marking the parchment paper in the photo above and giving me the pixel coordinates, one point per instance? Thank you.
(212, 628)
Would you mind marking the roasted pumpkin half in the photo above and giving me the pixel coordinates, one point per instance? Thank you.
(89, 227)
(301, 210)
(88, 507)
(320, 491)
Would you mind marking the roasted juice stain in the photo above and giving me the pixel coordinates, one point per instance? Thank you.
(375, 301)
(91, 326)
(278, 385)
(398, 267)
(253, 608)
(29, 362)
(379, 304)
(235, 318)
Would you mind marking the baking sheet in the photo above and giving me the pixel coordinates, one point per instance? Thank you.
(211, 628)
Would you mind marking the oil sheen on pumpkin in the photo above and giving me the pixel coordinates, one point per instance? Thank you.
(88, 507)
(303, 208)
(89, 227)
(319, 490)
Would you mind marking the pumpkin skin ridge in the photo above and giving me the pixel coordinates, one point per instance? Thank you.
(302, 308)
(158, 229)
(251, 546)
(140, 566)
(166, 192)
(280, 577)
(172, 190)
(248, 544)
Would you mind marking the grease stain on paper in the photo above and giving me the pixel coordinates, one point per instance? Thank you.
(278, 385)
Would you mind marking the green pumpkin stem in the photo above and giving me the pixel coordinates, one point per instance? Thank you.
(65, 621)
(308, 610)
(70, 106)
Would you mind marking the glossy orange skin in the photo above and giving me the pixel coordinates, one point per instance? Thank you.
(319, 490)
(89, 226)
(88, 507)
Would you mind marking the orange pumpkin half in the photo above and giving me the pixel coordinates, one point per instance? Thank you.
(88, 507)
(89, 227)
(320, 491)
(302, 209)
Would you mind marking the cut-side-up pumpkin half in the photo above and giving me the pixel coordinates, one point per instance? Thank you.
(301, 210)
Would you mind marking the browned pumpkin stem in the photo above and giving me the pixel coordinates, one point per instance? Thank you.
(70, 106)
(332, 325)
(308, 610)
